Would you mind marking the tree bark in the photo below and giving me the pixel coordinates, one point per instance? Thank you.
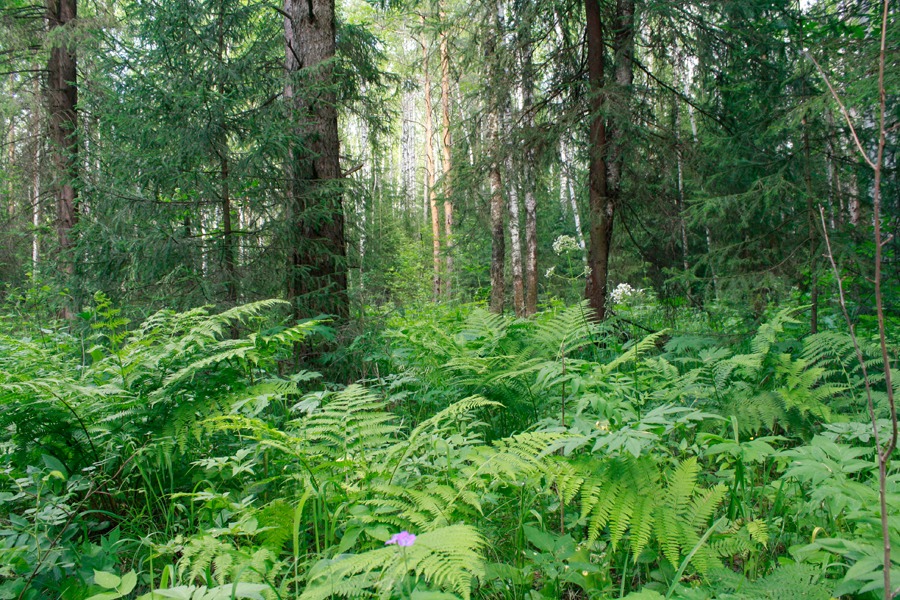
(408, 148)
(430, 176)
(498, 243)
(62, 96)
(602, 209)
(608, 153)
(36, 185)
(446, 145)
(515, 242)
(531, 287)
(813, 236)
(228, 254)
(318, 277)
(567, 196)
(498, 250)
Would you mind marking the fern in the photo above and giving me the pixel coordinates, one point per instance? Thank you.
(787, 582)
(628, 496)
(448, 558)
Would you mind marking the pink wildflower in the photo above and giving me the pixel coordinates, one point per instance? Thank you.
(404, 538)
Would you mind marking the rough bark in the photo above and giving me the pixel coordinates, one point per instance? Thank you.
(446, 145)
(430, 177)
(62, 97)
(318, 278)
(606, 171)
(602, 210)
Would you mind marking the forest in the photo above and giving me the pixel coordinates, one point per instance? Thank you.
(449, 299)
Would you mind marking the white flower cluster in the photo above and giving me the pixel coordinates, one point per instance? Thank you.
(622, 292)
(565, 243)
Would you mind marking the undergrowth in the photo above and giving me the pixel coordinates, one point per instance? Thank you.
(188, 456)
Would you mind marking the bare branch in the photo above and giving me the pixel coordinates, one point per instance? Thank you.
(843, 108)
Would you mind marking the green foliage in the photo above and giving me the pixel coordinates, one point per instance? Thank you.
(448, 557)
(175, 451)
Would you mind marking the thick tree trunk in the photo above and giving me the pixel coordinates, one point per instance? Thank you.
(446, 145)
(318, 279)
(430, 177)
(62, 96)
(608, 154)
(602, 209)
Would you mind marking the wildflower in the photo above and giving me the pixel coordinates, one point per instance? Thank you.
(404, 539)
(622, 291)
(565, 243)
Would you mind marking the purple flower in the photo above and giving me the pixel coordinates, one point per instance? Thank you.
(404, 538)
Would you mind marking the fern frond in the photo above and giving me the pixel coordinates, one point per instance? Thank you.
(448, 558)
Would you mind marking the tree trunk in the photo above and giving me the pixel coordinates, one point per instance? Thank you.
(602, 209)
(62, 96)
(36, 185)
(530, 183)
(498, 243)
(429, 178)
(408, 148)
(447, 156)
(606, 171)
(515, 242)
(224, 166)
(567, 196)
(498, 250)
(813, 236)
(318, 277)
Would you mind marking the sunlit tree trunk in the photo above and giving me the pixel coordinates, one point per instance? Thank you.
(446, 145)
(62, 96)
(430, 177)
